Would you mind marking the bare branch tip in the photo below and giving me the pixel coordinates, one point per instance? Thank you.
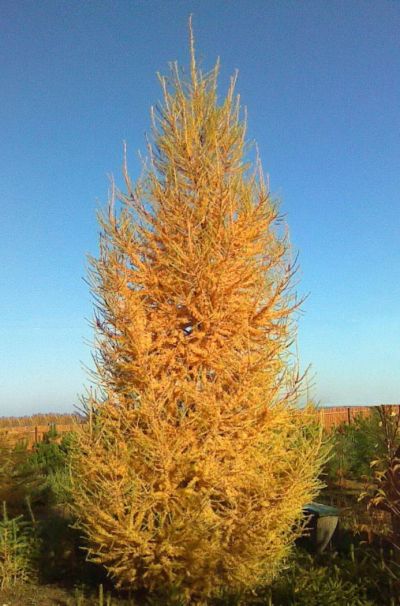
(193, 68)
(125, 157)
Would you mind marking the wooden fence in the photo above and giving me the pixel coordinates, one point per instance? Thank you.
(335, 415)
(32, 434)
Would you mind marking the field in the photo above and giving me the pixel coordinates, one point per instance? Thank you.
(42, 561)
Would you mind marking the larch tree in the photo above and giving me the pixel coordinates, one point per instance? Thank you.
(195, 463)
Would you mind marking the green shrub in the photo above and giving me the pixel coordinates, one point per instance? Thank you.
(13, 489)
(46, 469)
(354, 445)
(17, 550)
(359, 576)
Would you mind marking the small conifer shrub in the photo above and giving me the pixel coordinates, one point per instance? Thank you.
(16, 550)
(191, 474)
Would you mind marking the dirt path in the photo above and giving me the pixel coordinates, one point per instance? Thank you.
(35, 595)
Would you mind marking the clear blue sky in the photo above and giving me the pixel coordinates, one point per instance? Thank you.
(321, 81)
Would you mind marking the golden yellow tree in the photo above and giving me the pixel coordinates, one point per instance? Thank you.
(195, 464)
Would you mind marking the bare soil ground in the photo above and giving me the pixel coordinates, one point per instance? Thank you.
(35, 595)
(32, 594)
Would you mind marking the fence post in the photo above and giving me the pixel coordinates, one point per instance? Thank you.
(348, 415)
(36, 434)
